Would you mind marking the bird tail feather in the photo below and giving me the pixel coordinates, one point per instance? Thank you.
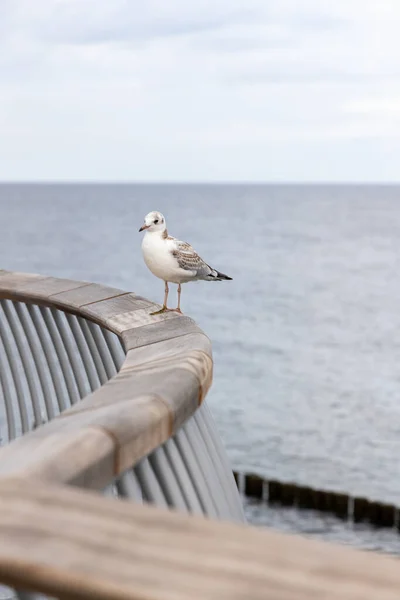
(217, 276)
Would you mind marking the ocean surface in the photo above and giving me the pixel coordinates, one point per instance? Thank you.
(306, 337)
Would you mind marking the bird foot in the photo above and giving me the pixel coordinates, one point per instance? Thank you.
(165, 309)
(162, 310)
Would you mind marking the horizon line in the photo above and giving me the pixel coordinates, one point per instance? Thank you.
(193, 182)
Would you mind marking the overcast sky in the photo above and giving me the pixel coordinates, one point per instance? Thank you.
(201, 90)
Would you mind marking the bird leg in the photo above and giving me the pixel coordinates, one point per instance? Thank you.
(178, 309)
(166, 294)
(164, 307)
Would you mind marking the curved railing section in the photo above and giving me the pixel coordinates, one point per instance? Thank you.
(100, 394)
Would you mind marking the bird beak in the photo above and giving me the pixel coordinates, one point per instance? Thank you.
(143, 227)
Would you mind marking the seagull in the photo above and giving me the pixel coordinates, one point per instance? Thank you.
(171, 260)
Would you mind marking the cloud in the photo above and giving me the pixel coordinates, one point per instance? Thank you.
(95, 89)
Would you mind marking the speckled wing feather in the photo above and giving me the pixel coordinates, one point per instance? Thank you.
(189, 260)
(187, 257)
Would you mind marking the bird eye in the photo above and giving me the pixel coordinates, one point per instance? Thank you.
(155, 222)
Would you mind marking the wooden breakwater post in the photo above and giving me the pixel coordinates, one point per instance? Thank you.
(339, 504)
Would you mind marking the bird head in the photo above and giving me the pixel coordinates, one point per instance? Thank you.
(153, 221)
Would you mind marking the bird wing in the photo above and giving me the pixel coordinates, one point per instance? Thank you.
(187, 257)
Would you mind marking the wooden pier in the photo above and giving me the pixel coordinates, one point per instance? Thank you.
(60, 536)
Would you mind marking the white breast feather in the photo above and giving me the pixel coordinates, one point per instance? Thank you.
(159, 258)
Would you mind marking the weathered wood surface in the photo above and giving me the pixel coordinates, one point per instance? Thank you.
(166, 375)
(77, 545)
(93, 301)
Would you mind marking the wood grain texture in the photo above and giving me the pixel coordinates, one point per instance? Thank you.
(52, 291)
(83, 295)
(180, 371)
(163, 329)
(113, 307)
(13, 284)
(138, 318)
(112, 428)
(87, 546)
(79, 456)
(138, 409)
(187, 342)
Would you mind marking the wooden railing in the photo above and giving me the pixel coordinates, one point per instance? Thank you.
(166, 374)
(75, 544)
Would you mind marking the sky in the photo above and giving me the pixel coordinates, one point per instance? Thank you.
(202, 91)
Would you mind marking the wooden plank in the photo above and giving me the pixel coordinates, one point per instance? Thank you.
(85, 456)
(172, 346)
(139, 409)
(138, 318)
(36, 288)
(175, 384)
(66, 294)
(43, 288)
(84, 295)
(119, 311)
(113, 426)
(148, 332)
(14, 278)
(11, 281)
(113, 307)
(136, 423)
(179, 371)
(89, 547)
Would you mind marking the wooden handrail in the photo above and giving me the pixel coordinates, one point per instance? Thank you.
(77, 545)
(74, 544)
(164, 378)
